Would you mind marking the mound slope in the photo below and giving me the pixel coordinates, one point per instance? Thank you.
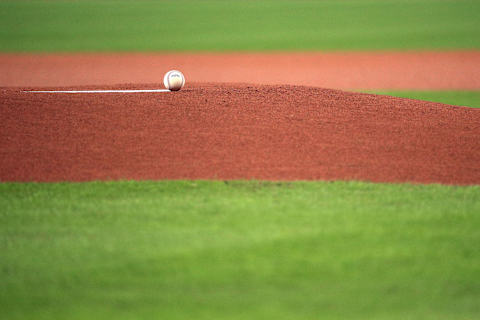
(212, 131)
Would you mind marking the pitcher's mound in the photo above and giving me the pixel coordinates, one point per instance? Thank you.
(213, 131)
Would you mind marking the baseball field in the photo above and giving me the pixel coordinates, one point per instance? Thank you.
(322, 161)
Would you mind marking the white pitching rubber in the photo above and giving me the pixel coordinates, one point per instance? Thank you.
(98, 91)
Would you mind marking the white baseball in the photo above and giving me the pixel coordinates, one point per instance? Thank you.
(174, 80)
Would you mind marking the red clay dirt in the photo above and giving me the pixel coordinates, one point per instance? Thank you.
(455, 70)
(233, 131)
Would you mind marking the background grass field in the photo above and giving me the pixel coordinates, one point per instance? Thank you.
(459, 98)
(240, 250)
(238, 25)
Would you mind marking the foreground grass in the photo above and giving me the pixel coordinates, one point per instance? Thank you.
(238, 25)
(458, 98)
(239, 250)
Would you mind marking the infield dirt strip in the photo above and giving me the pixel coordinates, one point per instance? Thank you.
(232, 131)
(425, 70)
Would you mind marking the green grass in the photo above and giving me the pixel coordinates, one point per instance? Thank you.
(459, 98)
(239, 250)
(238, 25)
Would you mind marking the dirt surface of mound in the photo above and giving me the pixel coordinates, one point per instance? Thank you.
(454, 70)
(209, 131)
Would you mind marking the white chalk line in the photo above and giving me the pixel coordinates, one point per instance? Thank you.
(99, 91)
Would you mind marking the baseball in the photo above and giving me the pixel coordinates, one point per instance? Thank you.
(174, 80)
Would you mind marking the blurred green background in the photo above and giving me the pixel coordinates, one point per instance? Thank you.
(240, 250)
(238, 25)
(459, 98)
